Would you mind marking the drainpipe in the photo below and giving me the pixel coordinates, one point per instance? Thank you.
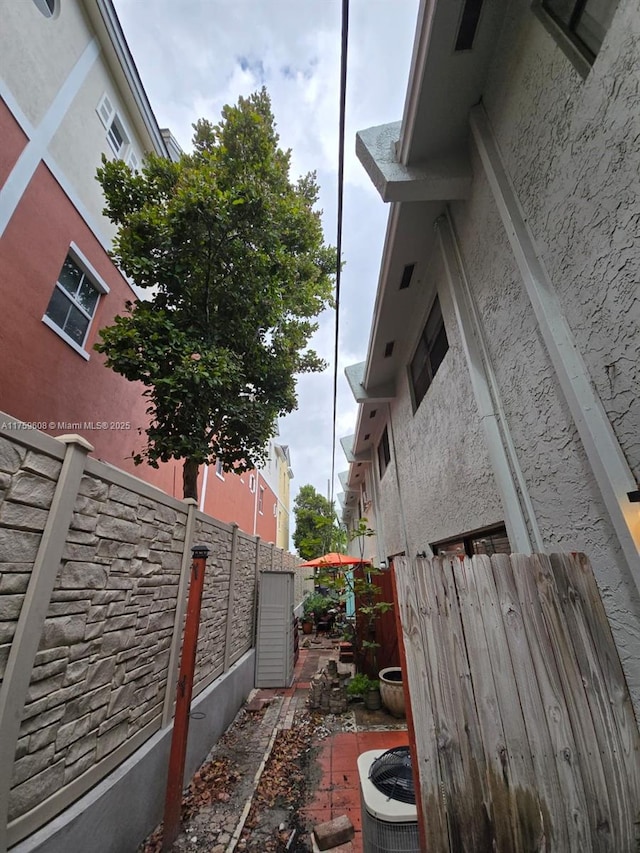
(400, 501)
(205, 478)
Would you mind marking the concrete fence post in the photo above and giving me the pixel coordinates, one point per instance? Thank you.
(14, 688)
(230, 600)
(181, 606)
(255, 593)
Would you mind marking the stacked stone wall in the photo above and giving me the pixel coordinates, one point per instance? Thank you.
(101, 679)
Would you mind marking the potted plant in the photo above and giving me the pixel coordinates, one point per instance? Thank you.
(313, 608)
(367, 688)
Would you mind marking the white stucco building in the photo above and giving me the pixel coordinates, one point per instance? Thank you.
(499, 405)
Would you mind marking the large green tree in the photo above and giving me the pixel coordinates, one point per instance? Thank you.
(317, 529)
(232, 253)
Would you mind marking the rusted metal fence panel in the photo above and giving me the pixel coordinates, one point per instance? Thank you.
(524, 733)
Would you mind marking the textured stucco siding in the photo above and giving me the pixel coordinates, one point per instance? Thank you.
(446, 483)
(35, 67)
(571, 148)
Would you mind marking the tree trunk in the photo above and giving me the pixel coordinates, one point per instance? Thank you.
(190, 479)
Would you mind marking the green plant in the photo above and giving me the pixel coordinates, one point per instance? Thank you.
(232, 254)
(360, 583)
(361, 684)
(316, 604)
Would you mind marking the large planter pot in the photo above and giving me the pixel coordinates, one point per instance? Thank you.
(307, 626)
(391, 690)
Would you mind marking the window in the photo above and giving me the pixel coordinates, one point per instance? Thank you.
(490, 540)
(432, 348)
(261, 501)
(48, 8)
(74, 300)
(116, 134)
(252, 484)
(275, 509)
(584, 23)
(384, 454)
(219, 469)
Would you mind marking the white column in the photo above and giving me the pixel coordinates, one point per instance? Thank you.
(516, 503)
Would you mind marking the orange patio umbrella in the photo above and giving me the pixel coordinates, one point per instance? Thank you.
(334, 559)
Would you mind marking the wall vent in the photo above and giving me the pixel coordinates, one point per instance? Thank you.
(388, 350)
(468, 24)
(407, 274)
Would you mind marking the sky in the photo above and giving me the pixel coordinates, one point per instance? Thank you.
(195, 56)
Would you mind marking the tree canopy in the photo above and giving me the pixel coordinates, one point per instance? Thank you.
(317, 530)
(232, 253)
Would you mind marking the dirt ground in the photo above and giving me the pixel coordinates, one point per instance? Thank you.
(224, 790)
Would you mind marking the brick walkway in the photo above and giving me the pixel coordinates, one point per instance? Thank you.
(338, 791)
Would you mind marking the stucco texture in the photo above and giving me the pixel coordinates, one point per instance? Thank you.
(445, 477)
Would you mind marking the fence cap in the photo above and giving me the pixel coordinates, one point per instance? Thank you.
(200, 551)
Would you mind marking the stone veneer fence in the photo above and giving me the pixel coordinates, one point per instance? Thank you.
(94, 568)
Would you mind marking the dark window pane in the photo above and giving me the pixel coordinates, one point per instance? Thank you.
(76, 326)
(431, 350)
(58, 308)
(87, 296)
(562, 9)
(439, 350)
(70, 276)
(594, 22)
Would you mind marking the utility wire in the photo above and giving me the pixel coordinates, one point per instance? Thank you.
(341, 135)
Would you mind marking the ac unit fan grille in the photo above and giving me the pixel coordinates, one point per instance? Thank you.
(392, 775)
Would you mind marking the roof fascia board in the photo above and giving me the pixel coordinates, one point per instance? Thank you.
(424, 31)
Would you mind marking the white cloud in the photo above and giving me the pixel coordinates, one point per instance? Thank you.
(197, 55)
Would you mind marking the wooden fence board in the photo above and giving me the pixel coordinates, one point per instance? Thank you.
(524, 731)
(587, 754)
(549, 824)
(415, 615)
(499, 774)
(462, 770)
(570, 828)
(598, 663)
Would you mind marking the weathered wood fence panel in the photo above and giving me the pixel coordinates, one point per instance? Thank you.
(524, 730)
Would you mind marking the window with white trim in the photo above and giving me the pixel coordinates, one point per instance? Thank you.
(117, 136)
(219, 469)
(261, 501)
(252, 483)
(74, 300)
(275, 509)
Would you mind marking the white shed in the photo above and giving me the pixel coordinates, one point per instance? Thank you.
(275, 633)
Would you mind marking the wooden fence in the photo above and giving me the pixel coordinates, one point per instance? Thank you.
(525, 737)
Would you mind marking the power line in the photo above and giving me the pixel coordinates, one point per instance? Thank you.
(341, 135)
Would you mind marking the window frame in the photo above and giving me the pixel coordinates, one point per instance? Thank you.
(252, 483)
(575, 49)
(110, 118)
(261, 500)
(466, 540)
(430, 347)
(384, 458)
(96, 280)
(219, 469)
